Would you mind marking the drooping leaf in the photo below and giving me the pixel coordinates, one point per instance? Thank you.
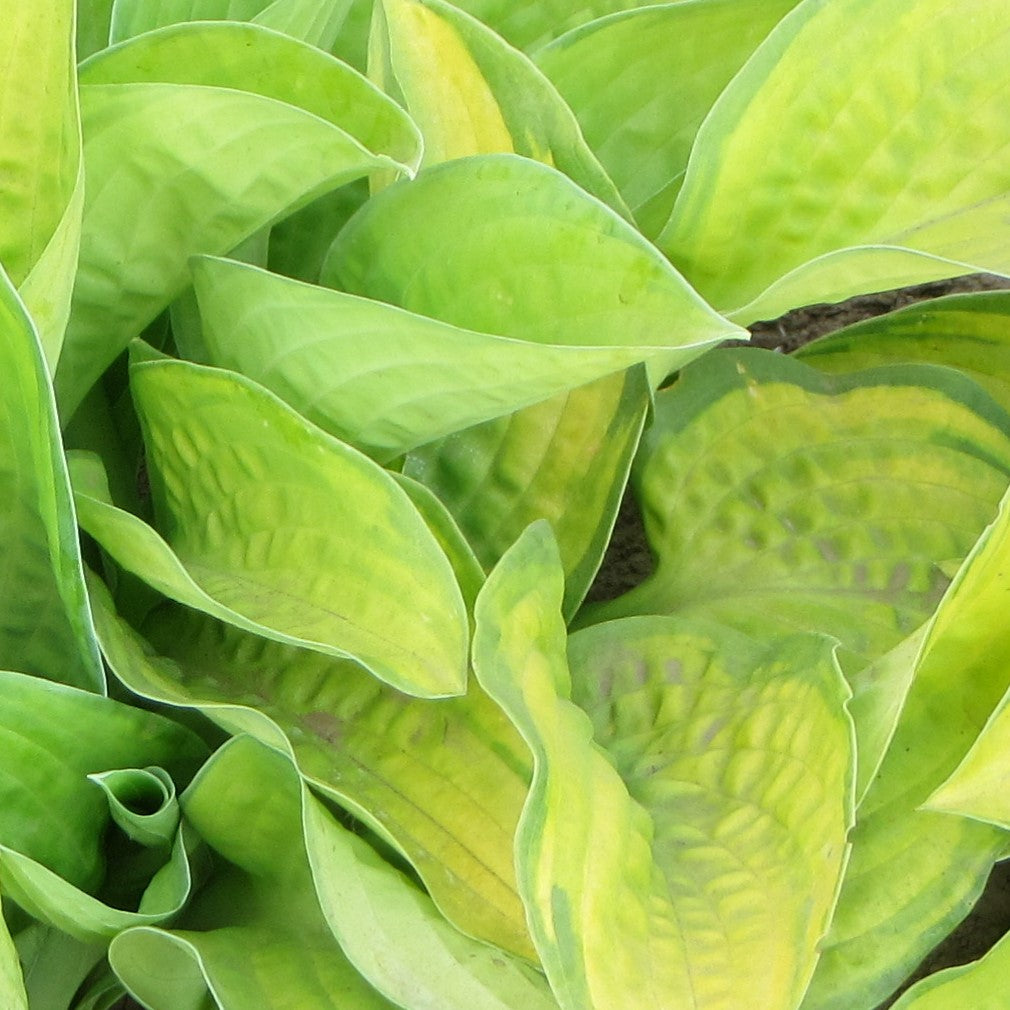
(969, 332)
(507, 246)
(45, 627)
(40, 148)
(381, 378)
(778, 499)
(631, 842)
(444, 783)
(915, 873)
(890, 167)
(641, 81)
(238, 126)
(471, 93)
(274, 526)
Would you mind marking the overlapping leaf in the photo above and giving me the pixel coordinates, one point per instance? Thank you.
(689, 858)
(884, 166)
(640, 85)
(238, 126)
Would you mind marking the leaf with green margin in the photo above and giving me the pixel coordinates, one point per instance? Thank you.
(471, 93)
(238, 126)
(45, 627)
(779, 499)
(443, 783)
(142, 803)
(980, 985)
(255, 936)
(641, 81)
(528, 24)
(969, 332)
(906, 178)
(317, 22)
(508, 246)
(633, 880)
(384, 379)
(566, 459)
(276, 527)
(12, 988)
(915, 873)
(54, 736)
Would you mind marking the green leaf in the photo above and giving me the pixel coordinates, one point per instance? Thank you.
(903, 176)
(774, 503)
(566, 460)
(471, 93)
(276, 527)
(93, 17)
(981, 985)
(379, 377)
(641, 81)
(915, 873)
(12, 988)
(40, 148)
(507, 246)
(54, 964)
(969, 332)
(142, 803)
(689, 859)
(444, 783)
(45, 627)
(238, 126)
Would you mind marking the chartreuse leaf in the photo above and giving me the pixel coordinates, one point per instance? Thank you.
(641, 81)
(915, 873)
(686, 860)
(40, 148)
(904, 175)
(380, 377)
(276, 527)
(255, 936)
(472, 93)
(261, 122)
(773, 502)
(12, 987)
(45, 627)
(444, 783)
(969, 332)
(505, 245)
(981, 985)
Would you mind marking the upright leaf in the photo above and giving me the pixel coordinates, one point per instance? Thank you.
(238, 126)
(12, 988)
(890, 168)
(45, 627)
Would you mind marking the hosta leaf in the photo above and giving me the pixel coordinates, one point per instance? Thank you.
(443, 782)
(969, 332)
(384, 379)
(915, 873)
(566, 460)
(12, 988)
(505, 245)
(275, 526)
(238, 126)
(55, 965)
(53, 737)
(93, 17)
(40, 147)
(641, 82)
(45, 627)
(630, 847)
(774, 503)
(472, 93)
(890, 168)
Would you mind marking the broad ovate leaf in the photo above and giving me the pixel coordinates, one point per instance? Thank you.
(969, 332)
(880, 167)
(382, 378)
(472, 93)
(774, 503)
(641, 81)
(45, 627)
(689, 858)
(229, 127)
(504, 245)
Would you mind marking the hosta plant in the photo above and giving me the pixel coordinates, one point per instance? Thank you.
(333, 335)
